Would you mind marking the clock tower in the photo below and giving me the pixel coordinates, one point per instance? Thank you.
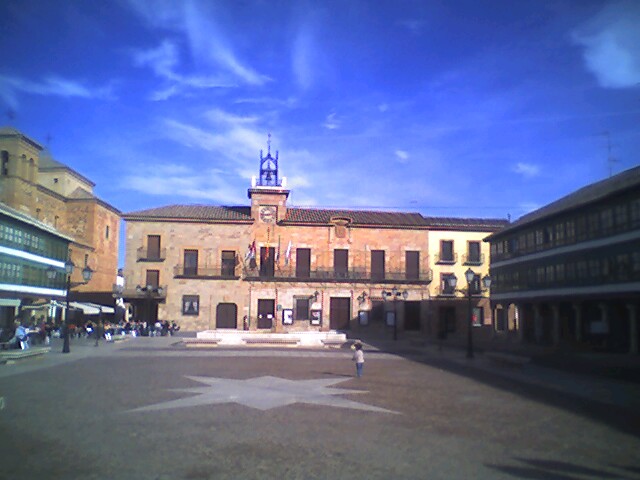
(268, 192)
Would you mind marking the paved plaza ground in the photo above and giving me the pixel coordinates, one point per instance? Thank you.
(147, 409)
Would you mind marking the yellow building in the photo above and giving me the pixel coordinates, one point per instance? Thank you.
(35, 184)
(274, 268)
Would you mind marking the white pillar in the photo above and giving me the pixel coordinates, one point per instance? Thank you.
(633, 329)
(519, 322)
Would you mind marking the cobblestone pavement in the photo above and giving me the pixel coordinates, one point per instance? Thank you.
(147, 409)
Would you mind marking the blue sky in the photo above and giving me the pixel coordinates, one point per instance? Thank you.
(448, 108)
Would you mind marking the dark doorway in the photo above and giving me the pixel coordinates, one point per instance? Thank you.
(266, 312)
(227, 315)
(377, 312)
(340, 313)
(412, 316)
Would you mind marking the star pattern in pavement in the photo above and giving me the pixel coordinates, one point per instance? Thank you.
(264, 393)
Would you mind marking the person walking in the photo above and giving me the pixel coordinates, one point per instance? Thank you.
(358, 357)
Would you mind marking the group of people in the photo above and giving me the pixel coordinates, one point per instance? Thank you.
(23, 334)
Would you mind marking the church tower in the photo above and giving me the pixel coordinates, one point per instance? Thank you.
(268, 192)
(19, 158)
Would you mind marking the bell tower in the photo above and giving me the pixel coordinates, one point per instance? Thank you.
(268, 192)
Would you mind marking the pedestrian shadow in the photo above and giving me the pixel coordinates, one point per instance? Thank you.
(537, 469)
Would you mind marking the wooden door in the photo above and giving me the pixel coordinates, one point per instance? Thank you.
(266, 313)
(412, 315)
(340, 313)
(227, 315)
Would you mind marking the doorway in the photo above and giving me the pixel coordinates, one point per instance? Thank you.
(266, 312)
(340, 313)
(227, 315)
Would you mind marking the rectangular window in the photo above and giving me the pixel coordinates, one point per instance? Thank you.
(341, 263)
(228, 263)
(446, 251)
(560, 272)
(593, 224)
(5, 163)
(190, 304)
(445, 286)
(153, 278)
(106, 232)
(377, 265)
(412, 259)
(153, 247)
(559, 233)
(606, 220)
(301, 309)
(473, 253)
(303, 262)
(621, 216)
(570, 230)
(267, 262)
(634, 213)
(191, 262)
(622, 266)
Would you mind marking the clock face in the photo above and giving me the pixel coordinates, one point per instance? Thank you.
(268, 214)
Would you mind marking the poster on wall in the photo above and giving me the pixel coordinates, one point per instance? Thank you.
(391, 319)
(287, 316)
(363, 317)
(477, 317)
(316, 317)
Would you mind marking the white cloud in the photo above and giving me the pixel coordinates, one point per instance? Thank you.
(164, 61)
(167, 179)
(526, 169)
(208, 46)
(611, 43)
(383, 107)
(51, 85)
(402, 155)
(219, 116)
(331, 122)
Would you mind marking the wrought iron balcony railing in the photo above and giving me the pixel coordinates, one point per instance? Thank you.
(158, 292)
(330, 275)
(206, 271)
(473, 259)
(151, 255)
(446, 259)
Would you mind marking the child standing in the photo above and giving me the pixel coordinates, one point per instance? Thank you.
(358, 357)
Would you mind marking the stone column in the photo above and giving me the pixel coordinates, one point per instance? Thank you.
(519, 322)
(633, 328)
(555, 333)
(578, 311)
(537, 324)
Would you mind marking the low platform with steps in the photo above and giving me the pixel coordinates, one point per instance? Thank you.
(245, 338)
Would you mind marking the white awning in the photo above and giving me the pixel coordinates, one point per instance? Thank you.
(91, 308)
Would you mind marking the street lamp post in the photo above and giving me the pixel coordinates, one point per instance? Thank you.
(395, 294)
(470, 276)
(86, 275)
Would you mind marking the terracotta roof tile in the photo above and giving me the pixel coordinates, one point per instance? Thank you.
(357, 217)
(192, 212)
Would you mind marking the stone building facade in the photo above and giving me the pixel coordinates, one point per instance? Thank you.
(35, 184)
(568, 275)
(272, 267)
